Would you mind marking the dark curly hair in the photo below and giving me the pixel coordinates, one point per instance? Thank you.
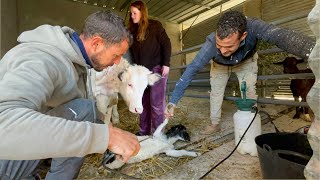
(231, 22)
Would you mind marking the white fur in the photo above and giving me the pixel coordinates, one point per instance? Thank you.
(153, 145)
(128, 80)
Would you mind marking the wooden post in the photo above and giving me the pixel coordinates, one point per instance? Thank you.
(312, 170)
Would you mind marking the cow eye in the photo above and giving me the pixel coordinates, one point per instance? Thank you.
(130, 85)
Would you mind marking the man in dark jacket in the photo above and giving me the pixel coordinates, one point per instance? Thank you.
(232, 49)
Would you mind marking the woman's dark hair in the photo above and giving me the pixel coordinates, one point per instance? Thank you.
(144, 21)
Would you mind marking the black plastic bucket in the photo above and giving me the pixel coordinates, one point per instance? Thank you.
(283, 155)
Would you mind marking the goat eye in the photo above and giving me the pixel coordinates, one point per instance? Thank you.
(130, 85)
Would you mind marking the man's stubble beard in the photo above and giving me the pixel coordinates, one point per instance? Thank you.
(95, 63)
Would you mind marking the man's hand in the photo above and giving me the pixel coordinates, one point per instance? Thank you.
(165, 70)
(169, 110)
(123, 143)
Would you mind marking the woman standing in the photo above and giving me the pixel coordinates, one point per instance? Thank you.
(151, 48)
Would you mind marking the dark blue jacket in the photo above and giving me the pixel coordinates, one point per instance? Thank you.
(287, 40)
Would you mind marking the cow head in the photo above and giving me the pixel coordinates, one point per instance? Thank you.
(134, 80)
(290, 65)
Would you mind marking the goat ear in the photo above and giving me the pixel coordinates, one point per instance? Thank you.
(153, 78)
(300, 61)
(278, 63)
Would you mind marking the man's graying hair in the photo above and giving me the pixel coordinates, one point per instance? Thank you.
(231, 22)
(107, 25)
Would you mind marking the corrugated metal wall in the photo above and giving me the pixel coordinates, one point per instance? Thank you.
(291, 14)
(277, 9)
(197, 34)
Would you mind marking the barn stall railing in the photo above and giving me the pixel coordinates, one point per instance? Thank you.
(263, 78)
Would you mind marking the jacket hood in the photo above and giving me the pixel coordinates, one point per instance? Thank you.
(59, 37)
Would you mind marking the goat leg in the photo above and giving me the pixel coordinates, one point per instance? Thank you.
(298, 108)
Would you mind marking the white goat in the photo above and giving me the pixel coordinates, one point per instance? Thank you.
(128, 80)
(156, 144)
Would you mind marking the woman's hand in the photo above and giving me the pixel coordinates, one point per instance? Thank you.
(165, 70)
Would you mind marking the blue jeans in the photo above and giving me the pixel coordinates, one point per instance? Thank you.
(61, 168)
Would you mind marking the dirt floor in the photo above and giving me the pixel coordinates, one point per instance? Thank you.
(194, 114)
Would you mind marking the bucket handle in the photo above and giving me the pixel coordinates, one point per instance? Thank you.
(287, 152)
(267, 147)
(292, 153)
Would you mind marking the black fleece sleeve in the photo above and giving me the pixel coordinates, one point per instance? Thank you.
(165, 45)
(287, 40)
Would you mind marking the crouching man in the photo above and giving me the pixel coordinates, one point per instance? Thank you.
(43, 110)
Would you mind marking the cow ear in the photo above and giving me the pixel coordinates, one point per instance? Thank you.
(153, 78)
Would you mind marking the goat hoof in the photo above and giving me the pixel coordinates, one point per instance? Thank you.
(307, 118)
